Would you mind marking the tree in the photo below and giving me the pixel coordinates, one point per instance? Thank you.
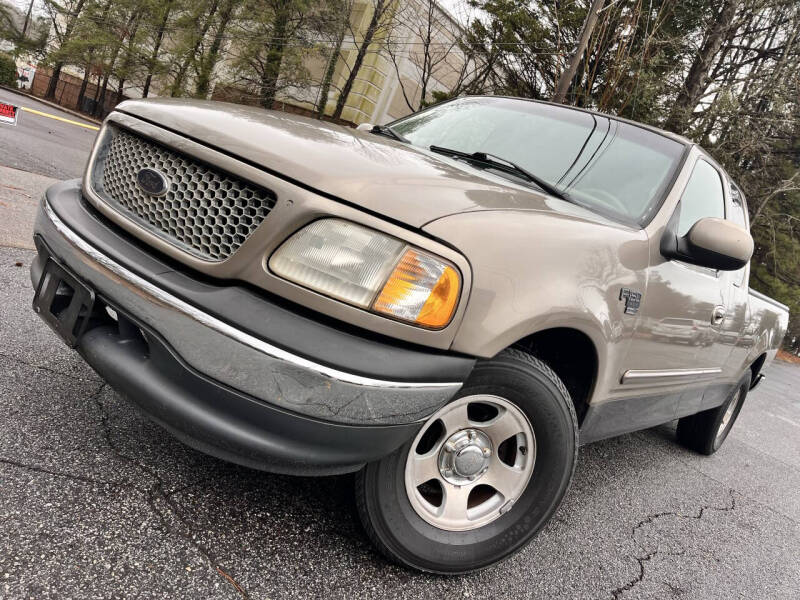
(210, 59)
(424, 40)
(189, 43)
(697, 78)
(568, 74)
(153, 65)
(27, 32)
(68, 13)
(339, 18)
(379, 23)
(8, 70)
(273, 45)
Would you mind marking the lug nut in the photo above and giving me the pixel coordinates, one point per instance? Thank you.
(449, 447)
(486, 452)
(472, 434)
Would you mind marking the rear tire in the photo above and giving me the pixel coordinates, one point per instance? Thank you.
(523, 394)
(706, 431)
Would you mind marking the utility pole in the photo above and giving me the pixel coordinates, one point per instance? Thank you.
(568, 74)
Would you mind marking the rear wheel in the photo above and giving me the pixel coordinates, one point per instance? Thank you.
(706, 431)
(483, 474)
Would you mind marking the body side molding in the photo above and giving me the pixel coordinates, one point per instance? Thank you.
(667, 375)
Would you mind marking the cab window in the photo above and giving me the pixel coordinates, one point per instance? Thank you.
(738, 215)
(737, 206)
(703, 197)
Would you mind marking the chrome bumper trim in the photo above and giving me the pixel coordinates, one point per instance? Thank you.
(222, 327)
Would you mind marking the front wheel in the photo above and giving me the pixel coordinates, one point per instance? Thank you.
(481, 477)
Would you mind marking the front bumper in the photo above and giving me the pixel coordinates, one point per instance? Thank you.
(201, 366)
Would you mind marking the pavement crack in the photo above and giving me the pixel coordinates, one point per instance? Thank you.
(71, 476)
(161, 502)
(27, 363)
(648, 555)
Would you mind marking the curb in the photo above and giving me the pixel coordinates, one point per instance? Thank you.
(74, 113)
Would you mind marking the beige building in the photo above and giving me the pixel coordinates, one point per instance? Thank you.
(390, 80)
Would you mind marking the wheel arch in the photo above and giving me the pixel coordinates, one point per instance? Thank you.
(572, 355)
(757, 365)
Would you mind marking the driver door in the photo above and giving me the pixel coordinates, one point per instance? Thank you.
(676, 350)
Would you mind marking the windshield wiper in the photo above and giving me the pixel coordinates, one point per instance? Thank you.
(388, 132)
(501, 164)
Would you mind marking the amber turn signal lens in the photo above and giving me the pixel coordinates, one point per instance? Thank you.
(422, 289)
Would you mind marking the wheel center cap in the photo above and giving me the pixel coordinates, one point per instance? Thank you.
(468, 461)
(465, 456)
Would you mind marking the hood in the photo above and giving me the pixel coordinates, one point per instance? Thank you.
(401, 182)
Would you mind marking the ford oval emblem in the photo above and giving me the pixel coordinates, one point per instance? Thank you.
(152, 182)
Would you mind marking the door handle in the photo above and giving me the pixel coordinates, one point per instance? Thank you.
(717, 315)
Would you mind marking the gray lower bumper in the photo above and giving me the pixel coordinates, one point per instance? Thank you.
(235, 358)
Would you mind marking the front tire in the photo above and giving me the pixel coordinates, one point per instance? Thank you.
(483, 475)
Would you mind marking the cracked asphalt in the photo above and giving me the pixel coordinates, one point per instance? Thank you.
(98, 502)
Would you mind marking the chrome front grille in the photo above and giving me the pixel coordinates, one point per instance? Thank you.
(205, 212)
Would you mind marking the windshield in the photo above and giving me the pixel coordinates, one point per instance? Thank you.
(614, 167)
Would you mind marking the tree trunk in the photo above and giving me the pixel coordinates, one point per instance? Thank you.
(177, 84)
(568, 74)
(96, 89)
(322, 103)
(133, 26)
(380, 8)
(92, 49)
(53, 83)
(27, 21)
(272, 68)
(98, 108)
(151, 63)
(210, 61)
(84, 83)
(697, 78)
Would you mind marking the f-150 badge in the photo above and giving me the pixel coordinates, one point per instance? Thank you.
(632, 300)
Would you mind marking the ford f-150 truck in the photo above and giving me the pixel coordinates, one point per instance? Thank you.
(447, 305)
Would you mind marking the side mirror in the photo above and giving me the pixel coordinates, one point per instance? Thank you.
(713, 243)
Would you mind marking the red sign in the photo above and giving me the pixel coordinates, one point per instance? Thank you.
(8, 113)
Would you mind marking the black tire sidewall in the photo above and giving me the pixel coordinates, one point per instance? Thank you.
(714, 442)
(415, 542)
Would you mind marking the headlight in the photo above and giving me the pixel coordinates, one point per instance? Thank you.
(370, 270)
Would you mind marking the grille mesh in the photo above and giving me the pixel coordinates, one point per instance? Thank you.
(205, 212)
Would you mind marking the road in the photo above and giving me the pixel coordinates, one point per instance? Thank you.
(34, 154)
(42, 145)
(98, 502)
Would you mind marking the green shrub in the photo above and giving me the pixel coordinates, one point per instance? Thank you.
(8, 70)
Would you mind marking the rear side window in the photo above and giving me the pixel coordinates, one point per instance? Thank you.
(738, 215)
(703, 197)
(737, 206)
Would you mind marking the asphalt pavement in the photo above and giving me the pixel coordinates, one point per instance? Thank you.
(34, 154)
(98, 502)
(42, 145)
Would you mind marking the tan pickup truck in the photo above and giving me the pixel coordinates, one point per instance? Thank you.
(446, 306)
